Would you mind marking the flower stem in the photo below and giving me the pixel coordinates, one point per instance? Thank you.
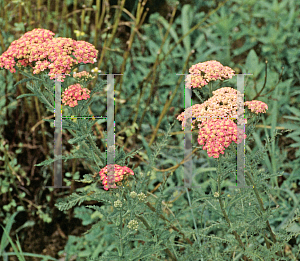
(210, 89)
(121, 243)
(237, 236)
(144, 221)
(165, 219)
(261, 205)
(93, 145)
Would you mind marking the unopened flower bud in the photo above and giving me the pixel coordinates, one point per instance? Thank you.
(133, 194)
(133, 224)
(142, 196)
(118, 204)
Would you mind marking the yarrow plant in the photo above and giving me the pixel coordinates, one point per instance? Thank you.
(225, 104)
(40, 52)
(133, 223)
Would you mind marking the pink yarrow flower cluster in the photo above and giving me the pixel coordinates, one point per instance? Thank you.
(119, 174)
(215, 131)
(75, 93)
(203, 73)
(257, 106)
(39, 50)
(216, 116)
(217, 134)
(225, 102)
(21, 49)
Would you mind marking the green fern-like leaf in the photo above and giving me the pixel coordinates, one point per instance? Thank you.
(72, 201)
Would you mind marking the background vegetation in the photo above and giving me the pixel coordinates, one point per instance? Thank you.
(149, 43)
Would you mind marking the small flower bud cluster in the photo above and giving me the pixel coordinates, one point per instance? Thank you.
(142, 196)
(203, 73)
(133, 225)
(119, 173)
(83, 76)
(95, 70)
(75, 93)
(118, 204)
(133, 194)
(79, 33)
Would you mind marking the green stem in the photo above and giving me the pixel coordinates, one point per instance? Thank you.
(261, 205)
(210, 89)
(121, 244)
(237, 237)
(91, 141)
(93, 145)
(144, 221)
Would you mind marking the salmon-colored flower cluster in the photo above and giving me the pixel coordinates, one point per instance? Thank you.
(257, 106)
(203, 73)
(225, 102)
(217, 134)
(21, 49)
(119, 174)
(216, 117)
(215, 131)
(39, 50)
(75, 93)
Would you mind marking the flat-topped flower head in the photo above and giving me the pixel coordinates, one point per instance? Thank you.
(203, 73)
(41, 51)
(30, 43)
(75, 93)
(58, 53)
(225, 102)
(85, 52)
(257, 106)
(120, 173)
(216, 134)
